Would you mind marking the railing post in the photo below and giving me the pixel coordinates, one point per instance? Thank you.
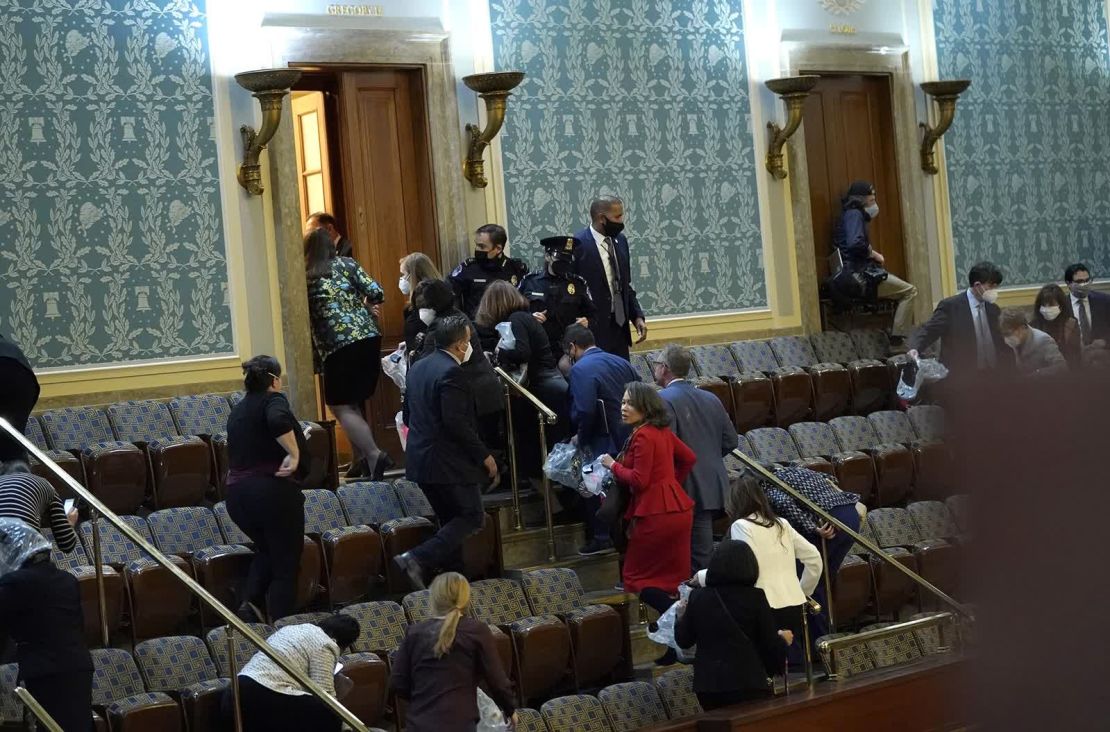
(546, 490)
(515, 487)
(98, 567)
(807, 657)
(232, 662)
(38, 710)
(828, 584)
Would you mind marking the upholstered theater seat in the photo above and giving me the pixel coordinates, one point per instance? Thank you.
(893, 461)
(194, 535)
(205, 416)
(713, 383)
(854, 470)
(938, 561)
(852, 589)
(181, 667)
(77, 563)
(793, 387)
(216, 640)
(119, 695)
(676, 689)
(832, 384)
(370, 674)
(932, 460)
(870, 378)
(893, 650)
(67, 461)
(893, 590)
(542, 644)
(301, 619)
(377, 505)
(382, 626)
(632, 705)
(530, 720)
(753, 394)
(481, 551)
(579, 713)
(598, 635)
(775, 445)
(180, 467)
(115, 471)
(352, 554)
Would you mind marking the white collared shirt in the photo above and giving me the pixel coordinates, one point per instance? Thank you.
(603, 252)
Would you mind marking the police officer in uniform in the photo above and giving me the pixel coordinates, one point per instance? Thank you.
(489, 263)
(558, 296)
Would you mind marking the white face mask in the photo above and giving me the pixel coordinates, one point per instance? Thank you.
(404, 286)
(1050, 312)
(427, 315)
(468, 352)
(1012, 341)
(989, 296)
(872, 210)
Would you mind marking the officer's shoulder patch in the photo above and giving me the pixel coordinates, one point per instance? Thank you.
(458, 270)
(570, 288)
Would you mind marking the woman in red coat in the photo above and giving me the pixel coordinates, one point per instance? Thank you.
(653, 465)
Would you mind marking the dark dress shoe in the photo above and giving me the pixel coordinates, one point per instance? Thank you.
(382, 464)
(358, 469)
(412, 569)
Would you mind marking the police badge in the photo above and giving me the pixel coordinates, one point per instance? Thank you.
(570, 288)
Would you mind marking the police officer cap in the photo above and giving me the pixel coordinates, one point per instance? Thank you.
(861, 188)
(557, 244)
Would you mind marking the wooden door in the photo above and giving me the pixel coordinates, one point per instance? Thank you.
(311, 142)
(849, 135)
(389, 199)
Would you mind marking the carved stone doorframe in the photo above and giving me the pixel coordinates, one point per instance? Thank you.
(358, 47)
(849, 60)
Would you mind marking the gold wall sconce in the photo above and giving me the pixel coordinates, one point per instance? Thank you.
(793, 90)
(945, 93)
(269, 87)
(494, 88)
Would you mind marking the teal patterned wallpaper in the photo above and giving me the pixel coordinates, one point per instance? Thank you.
(113, 245)
(1027, 155)
(646, 99)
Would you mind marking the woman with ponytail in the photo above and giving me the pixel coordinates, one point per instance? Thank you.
(442, 660)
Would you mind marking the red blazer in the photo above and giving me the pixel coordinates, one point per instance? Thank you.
(654, 466)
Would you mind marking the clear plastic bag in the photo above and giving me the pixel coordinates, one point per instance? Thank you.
(490, 717)
(508, 340)
(664, 636)
(928, 371)
(564, 465)
(595, 476)
(395, 366)
(19, 541)
(402, 429)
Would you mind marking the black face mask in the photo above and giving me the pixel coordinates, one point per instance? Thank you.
(560, 267)
(485, 259)
(611, 228)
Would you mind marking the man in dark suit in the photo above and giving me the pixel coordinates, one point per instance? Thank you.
(601, 258)
(444, 453)
(17, 397)
(700, 420)
(1091, 308)
(327, 222)
(595, 386)
(967, 326)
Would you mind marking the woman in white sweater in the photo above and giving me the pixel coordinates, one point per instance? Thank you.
(777, 548)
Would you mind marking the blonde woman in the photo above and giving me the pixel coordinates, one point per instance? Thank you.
(415, 268)
(442, 660)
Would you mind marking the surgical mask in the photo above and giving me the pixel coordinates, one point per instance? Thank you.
(872, 210)
(989, 296)
(1080, 289)
(427, 315)
(612, 229)
(468, 352)
(1050, 312)
(1012, 341)
(404, 286)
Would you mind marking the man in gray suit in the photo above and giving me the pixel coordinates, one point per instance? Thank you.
(699, 419)
(1036, 351)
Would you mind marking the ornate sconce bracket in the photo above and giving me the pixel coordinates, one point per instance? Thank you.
(945, 93)
(494, 89)
(793, 90)
(269, 87)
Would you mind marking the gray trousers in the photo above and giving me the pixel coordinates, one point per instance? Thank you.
(701, 540)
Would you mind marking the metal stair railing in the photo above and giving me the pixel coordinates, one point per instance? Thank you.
(96, 507)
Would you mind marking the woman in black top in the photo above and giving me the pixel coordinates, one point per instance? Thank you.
(264, 444)
(739, 648)
(415, 269)
(40, 609)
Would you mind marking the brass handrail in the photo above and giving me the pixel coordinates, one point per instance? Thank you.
(544, 417)
(229, 617)
(41, 714)
(830, 647)
(867, 543)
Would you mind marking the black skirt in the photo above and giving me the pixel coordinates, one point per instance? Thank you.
(351, 373)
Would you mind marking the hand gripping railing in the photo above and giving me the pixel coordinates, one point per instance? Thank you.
(544, 417)
(41, 714)
(234, 623)
(840, 526)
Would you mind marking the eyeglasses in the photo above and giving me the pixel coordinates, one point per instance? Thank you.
(1087, 281)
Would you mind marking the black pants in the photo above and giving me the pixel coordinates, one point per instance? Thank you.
(271, 512)
(611, 338)
(66, 697)
(790, 618)
(458, 507)
(265, 710)
(710, 700)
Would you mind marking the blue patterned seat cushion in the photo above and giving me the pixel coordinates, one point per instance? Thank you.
(553, 591)
(382, 625)
(168, 442)
(142, 421)
(408, 522)
(633, 705)
(677, 690)
(851, 659)
(371, 504)
(184, 530)
(590, 611)
(145, 565)
(103, 448)
(418, 605)
(575, 714)
(333, 535)
(200, 414)
(204, 687)
(137, 701)
(220, 550)
(536, 621)
(173, 663)
(322, 511)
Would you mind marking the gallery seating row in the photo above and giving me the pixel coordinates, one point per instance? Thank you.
(885, 457)
(163, 454)
(351, 536)
(794, 378)
(177, 683)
